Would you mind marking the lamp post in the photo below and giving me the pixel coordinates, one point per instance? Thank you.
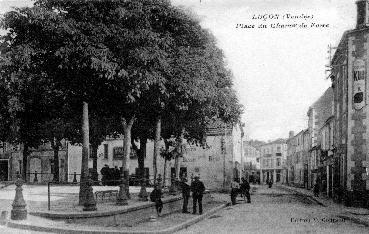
(19, 211)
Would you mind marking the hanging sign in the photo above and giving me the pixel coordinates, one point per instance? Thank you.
(359, 74)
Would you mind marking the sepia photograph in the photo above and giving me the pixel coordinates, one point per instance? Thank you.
(184, 116)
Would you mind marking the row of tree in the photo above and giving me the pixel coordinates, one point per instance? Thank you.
(144, 69)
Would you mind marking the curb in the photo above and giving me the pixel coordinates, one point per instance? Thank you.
(354, 220)
(94, 214)
(350, 218)
(193, 220)
(307, 195)
(186, 224)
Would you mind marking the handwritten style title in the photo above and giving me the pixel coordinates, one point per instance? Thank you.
(282, 21)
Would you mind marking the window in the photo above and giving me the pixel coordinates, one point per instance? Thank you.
(278, 162)
(106, 151)
(278, 149)
(117, 152)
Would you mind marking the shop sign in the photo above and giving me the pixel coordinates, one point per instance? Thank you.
(359, 78)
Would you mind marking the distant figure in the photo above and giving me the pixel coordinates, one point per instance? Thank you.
(270, 183)
(116, 175)
(104, 172)
(316, 188)
(235, 189)
(198, 190)
(155, 196)
(245, 190)
(186, 193)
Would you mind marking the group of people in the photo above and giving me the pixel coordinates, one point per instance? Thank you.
(110, 176)
(197, 188)
(240, 188)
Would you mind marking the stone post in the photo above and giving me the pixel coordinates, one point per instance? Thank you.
(90, 203)
(143, 193)
(19, 211)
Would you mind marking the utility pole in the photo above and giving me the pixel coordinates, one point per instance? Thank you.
(329, 58)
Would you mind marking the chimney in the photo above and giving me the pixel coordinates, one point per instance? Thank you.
(291, 134)
(361, 19)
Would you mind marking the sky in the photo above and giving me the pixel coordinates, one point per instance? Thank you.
(278, 73)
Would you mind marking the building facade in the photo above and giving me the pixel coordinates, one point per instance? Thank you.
(218, 162)
(252, 162)
(349, 75)
(273, 161)
(298, 157)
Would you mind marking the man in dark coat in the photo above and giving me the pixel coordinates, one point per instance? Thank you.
(155, 196)
(245, 190)
(104, 172)
(116, 176)
(198, 190)
(235, 189)
(186, 193)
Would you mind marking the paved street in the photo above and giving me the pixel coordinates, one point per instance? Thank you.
(276, 211)
(272, 211)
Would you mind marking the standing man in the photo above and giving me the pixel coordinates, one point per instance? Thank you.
(245, 190)
(186, 193)
(104, 172)
(198, 190)
(235, 189)
(155, 196)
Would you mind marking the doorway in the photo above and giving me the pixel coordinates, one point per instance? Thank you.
(4, 170)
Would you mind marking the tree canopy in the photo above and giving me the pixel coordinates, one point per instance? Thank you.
(133, 61)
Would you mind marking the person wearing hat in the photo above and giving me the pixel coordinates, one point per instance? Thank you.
(198, 189)
(186, 193)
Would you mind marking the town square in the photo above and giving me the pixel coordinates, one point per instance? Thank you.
(184, 116)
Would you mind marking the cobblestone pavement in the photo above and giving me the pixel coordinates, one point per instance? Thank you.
(276, 211)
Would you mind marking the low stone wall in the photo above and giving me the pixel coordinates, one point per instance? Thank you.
(141, 214)
(128, 216)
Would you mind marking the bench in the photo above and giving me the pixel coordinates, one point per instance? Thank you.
(106, 194)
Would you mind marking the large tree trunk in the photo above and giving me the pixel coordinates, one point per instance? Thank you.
(178, 155)
(94, 149)
(156, 146)
(55, 145)
(126, 151)
(85, 154)
(141, 154)
(177, 166)
(26, 153)
(165, 172)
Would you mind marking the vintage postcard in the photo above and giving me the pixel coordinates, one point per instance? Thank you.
(184, 116)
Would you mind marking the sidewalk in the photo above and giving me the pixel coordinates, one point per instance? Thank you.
(168, 223)
(355, 214)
